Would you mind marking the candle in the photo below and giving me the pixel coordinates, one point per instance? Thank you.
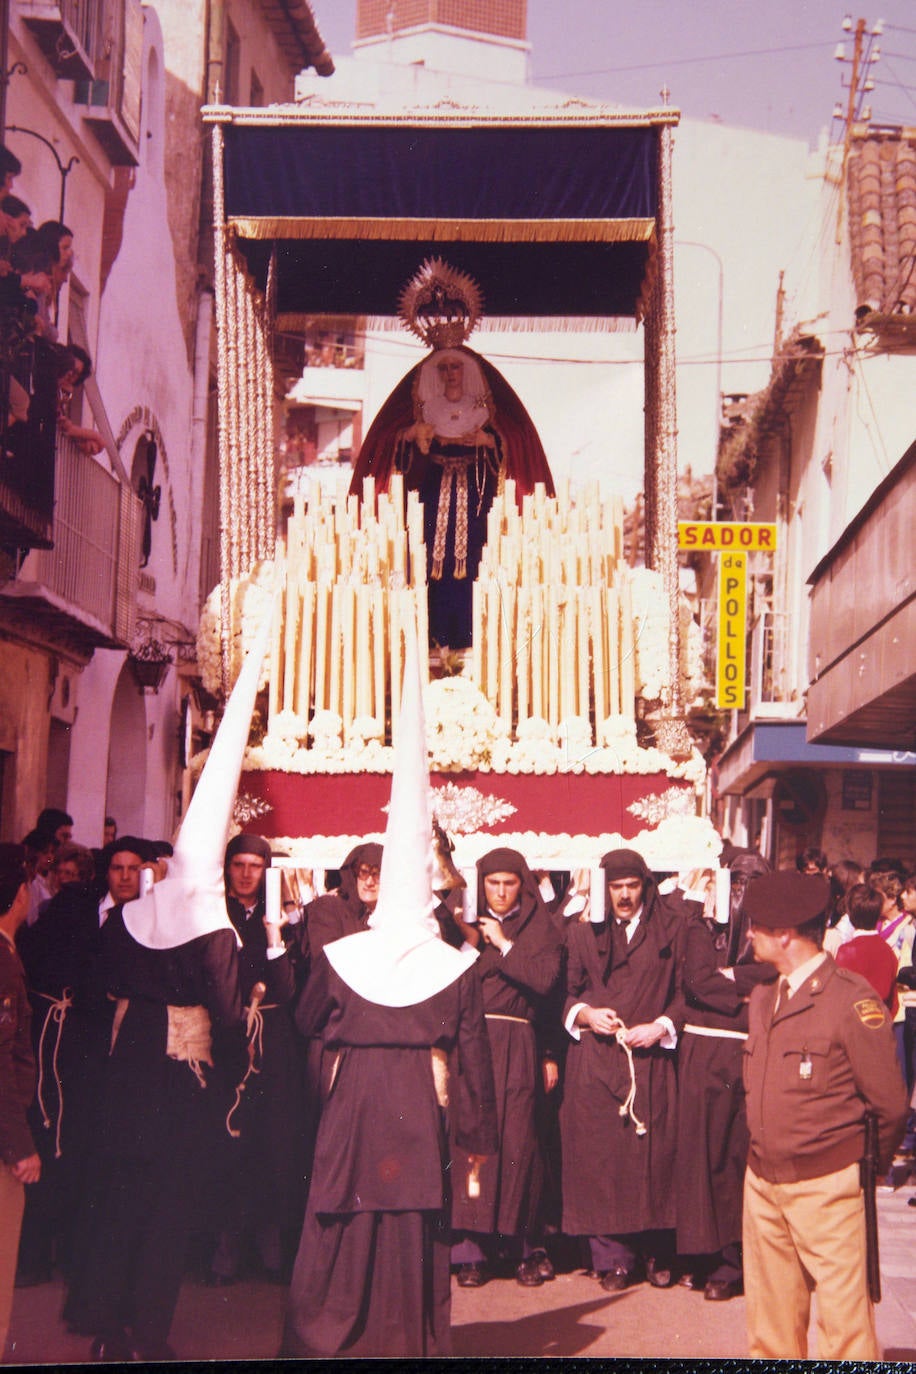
(597, 889)
(394, 621)
(322, 595)
(627, 651)
(396, 491)
(610, 602)
(537, 642)
(363, 653)
(477, 632)
(568, 667)
(276, 657)
(553, 656)
(378, 627)
(351, 663)
(290, 656)
(506, 657)
(583, 656)
(304, 674)
(334, 693)
(492, 643)
(596, 627)
(523, 649)
(272, 895)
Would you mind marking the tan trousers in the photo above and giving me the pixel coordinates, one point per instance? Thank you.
(12, 1203)
(799, 1238)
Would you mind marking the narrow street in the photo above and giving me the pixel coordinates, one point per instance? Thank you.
(571, 1316)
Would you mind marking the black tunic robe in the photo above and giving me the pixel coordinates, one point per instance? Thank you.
(712, 1124)
(372, 1273)
(261, 1166)
(516, 988)
(616, 1182)
(156, 1133)
(61, 957)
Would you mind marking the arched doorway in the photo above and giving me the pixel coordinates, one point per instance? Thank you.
(125, 790)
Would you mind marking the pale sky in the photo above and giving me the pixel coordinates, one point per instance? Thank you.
(766, 64)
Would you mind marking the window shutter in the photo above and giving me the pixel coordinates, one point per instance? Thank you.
(133, 67)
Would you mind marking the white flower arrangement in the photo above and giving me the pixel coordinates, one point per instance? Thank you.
(650, 632)
(250, 599)
(325, 730)
(678, 844)
(461, 725)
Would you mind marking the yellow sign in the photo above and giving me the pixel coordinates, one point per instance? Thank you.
(730, 648)
(717, 536)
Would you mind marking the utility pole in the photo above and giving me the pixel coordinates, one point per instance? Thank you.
(860, 83)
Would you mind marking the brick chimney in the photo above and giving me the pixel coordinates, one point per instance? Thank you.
(496, 18)
(486, 38)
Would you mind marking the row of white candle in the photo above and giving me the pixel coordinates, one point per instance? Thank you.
(552, 615)
(554, 652)
(338, 641)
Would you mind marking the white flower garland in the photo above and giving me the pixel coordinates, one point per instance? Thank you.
(676, 845)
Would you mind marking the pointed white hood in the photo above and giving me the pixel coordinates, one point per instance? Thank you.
(402, 959)
(191, 901)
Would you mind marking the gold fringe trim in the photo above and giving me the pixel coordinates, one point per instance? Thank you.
(447, 230)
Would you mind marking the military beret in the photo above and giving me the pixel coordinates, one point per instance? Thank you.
(786, 900)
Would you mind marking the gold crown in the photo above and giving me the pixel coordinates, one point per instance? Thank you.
(440, 304)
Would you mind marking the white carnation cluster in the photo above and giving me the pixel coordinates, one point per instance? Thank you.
(250, 600)
(650, 632)
(678, 844)
(462, 727)
(464, 734)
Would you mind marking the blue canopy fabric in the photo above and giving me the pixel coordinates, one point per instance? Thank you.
(553, 218)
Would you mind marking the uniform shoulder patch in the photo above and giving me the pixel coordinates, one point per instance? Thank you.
(870, 1012)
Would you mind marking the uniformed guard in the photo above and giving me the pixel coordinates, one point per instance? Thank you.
(819, 1056)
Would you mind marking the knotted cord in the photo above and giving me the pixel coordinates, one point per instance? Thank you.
(56, 1012)
(628, 1106)
(254, 1031)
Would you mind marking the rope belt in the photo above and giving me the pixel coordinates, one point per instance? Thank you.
(255, 1034)
(57, 1012)
(715, 1033)
(499, 1016)
(628, 1106)
(189, 1039)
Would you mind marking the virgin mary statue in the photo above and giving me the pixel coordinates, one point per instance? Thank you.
(456, 430)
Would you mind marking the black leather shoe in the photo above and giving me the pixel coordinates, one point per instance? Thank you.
(658, 1276)
(545, 1265)
(721, 1290)
(695, 1282)
(617, 1279)
(472, 1276)
(528, 1273)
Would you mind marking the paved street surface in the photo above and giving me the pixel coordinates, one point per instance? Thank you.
(571, 1316)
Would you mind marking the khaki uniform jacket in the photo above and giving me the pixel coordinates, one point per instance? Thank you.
(812, 1070)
